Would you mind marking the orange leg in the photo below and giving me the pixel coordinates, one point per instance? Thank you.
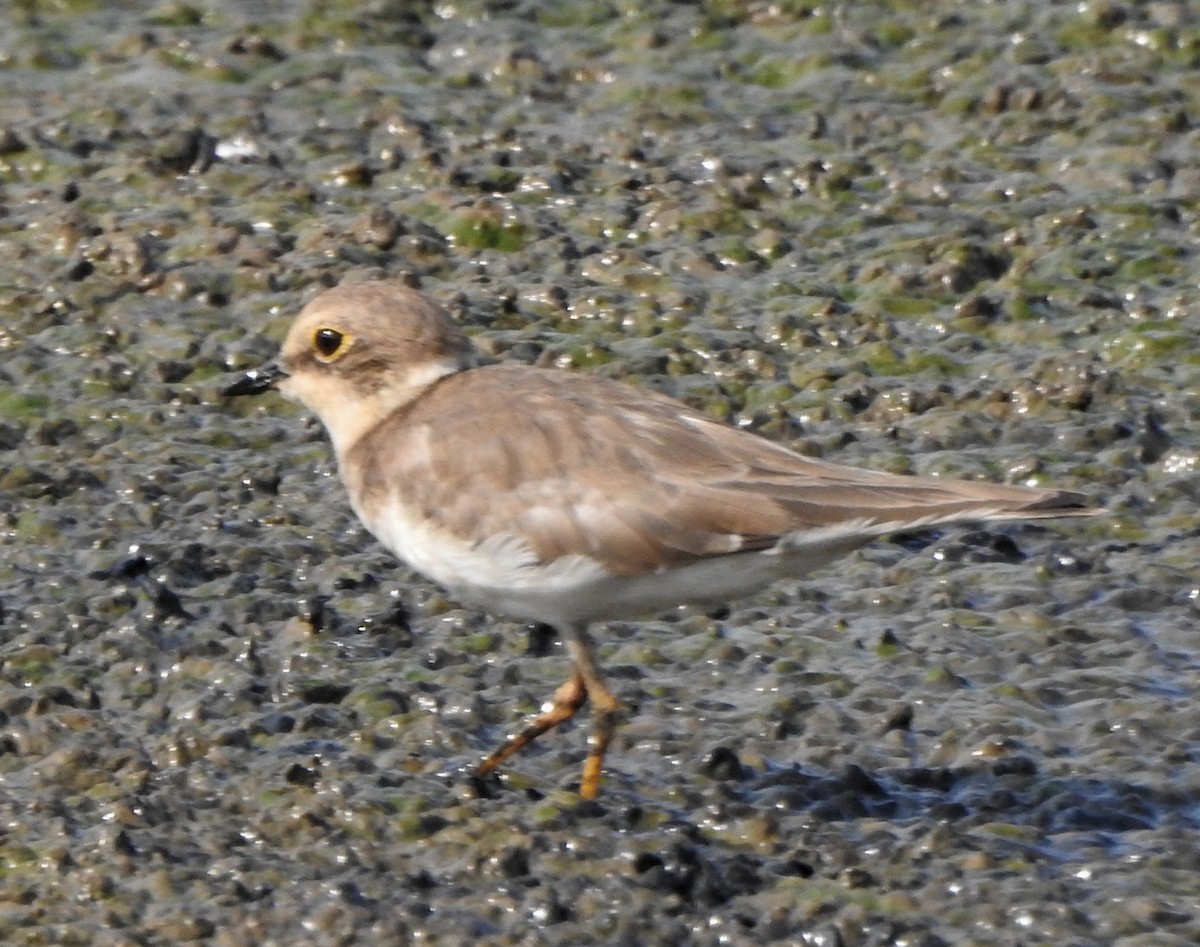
(606, 709)
(585, 682)
(567, 700)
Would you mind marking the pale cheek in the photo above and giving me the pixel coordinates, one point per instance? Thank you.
(313, 393)
(326, 397)
(290, 389)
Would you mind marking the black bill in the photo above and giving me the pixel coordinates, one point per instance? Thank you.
(256, 381)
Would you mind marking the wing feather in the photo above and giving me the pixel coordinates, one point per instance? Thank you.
(579, 465)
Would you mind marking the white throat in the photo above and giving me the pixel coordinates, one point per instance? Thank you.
(348, 415)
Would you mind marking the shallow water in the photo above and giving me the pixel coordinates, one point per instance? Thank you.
(922, 237)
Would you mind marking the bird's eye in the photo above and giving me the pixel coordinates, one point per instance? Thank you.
(328, 342)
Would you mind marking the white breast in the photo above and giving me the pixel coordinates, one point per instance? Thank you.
(501, 575)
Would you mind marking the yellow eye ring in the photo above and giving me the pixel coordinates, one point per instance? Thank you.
(327, 343)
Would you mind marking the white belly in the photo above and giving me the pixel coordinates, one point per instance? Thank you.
(502, 576)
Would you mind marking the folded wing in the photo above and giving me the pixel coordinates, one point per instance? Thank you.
(639, 482)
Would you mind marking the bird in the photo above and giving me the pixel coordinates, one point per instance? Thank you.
(565, 498)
